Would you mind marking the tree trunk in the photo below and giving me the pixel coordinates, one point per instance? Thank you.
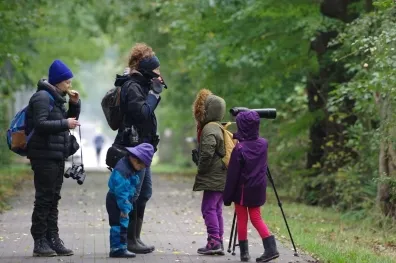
(386, 192)
(369, 5)
(327, 150)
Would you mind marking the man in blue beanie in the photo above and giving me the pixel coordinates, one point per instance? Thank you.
(50, 144)
(122, 187)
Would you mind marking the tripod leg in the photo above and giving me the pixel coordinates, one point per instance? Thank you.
(283, 214)
(232, 232)
(235, 238)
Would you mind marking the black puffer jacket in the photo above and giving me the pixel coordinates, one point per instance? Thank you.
(138, 107)
(51, 137)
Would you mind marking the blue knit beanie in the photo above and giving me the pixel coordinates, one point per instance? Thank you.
(58, 72)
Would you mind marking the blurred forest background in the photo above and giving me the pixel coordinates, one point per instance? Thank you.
(328, 67)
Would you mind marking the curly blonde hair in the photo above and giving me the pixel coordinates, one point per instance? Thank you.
(139, 52)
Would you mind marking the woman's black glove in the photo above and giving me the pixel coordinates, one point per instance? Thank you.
(195, 156)
(157, 85)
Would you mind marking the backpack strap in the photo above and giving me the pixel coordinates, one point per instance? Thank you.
(122, 101)
(223, 128)
(51, 107)
(52, 101)
(126, 83)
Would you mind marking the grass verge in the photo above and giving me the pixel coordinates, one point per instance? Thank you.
(327, 235)
(10, 179)
(330, 236)
(173, 169)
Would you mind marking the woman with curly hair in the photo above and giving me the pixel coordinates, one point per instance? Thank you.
(141, 86)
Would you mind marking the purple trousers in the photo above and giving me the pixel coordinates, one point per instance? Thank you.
(212, 212)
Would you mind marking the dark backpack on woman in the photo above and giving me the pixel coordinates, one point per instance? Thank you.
(111, 107)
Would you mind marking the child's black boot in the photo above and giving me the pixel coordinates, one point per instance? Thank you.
(122, 253)
(270, 250)
(244, 248)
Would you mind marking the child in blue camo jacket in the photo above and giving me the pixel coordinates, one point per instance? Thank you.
(122, 187)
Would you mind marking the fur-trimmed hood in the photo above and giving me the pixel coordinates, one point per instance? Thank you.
(208, 107)
(199, 104)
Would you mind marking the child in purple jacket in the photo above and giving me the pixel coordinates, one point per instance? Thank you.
(247, 182)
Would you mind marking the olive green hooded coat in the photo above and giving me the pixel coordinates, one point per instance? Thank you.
(212, 172)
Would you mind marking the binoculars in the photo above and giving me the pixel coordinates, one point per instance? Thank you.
(76, 172)
(266, 113)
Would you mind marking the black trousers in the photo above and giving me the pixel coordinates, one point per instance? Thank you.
(118, 224)
(48, 180)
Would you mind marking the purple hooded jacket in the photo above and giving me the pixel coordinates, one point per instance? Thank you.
(246, 177)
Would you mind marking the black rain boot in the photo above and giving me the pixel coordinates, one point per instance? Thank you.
(58, 246)
(133, 244)
(139, 225)
(244, 248)
(42, 248)
(122, 253)
(270, 250)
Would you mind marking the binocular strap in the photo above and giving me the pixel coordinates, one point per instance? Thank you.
(79, 133)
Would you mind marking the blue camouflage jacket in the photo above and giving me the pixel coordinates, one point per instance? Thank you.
(122, 183)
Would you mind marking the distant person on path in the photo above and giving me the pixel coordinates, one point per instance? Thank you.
(98, 142)
(47, 150)
(141, 86)
(247, 182)
(212, 171)
(122, 187)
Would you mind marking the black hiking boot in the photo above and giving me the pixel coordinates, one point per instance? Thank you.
(42, 248)
(58, 246)
(244, 248)
(270, 250)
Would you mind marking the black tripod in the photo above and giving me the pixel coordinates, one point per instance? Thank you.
(234, 227)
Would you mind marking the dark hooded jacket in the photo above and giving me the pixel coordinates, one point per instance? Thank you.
(211, 169)
(51, 137)
(138, 107)
(246, 177)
